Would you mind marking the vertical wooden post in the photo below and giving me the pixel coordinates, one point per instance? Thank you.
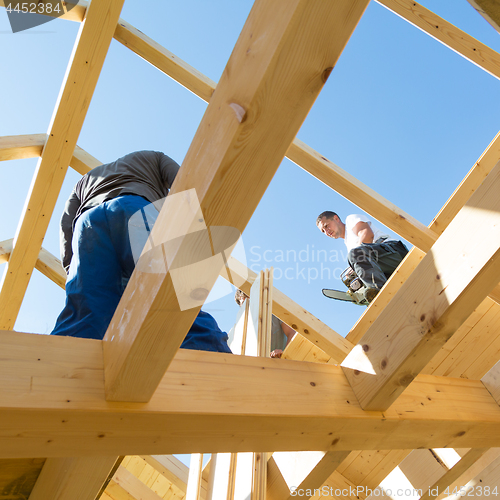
(194, 478)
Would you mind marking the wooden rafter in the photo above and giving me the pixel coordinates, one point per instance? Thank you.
(85, 66)
(446, 33)
(195, 406)
(70, 478)
(244, 129)
(445, 288)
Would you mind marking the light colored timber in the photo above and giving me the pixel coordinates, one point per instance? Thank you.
(479, 171)
(361, 195)
(194, 479)
(171, 468)
(492, 382)
(457, 200)
(475, 468)
(164, 60)
(301, 154)
(83, 72)
(390, 289)
(252, 134)
(46, 263)
(277, 489)
(446, 33)
(51, 267)
(134, 486)
(294, 315)
(54, 386)
(70, 478)
(490, 10)
(82, 161)
(17, 147)
(304, 156)
(19, 476)
(457, 472)
(299, 477)
(449, 283)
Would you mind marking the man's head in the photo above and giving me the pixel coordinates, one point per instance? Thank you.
(330, 224)
(240, 297)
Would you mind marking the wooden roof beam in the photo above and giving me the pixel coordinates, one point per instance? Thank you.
(69, 478)
(472, 463)
(17, 147)
(198, 407)
(479, 171)
(449, 35)
(84, 68)
(490, 10)
(264, 95)
(46, 263)
(445, 288)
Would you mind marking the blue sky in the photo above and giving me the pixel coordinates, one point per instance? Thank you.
(401, 112)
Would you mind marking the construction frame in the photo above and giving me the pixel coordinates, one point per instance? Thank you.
(417, 373)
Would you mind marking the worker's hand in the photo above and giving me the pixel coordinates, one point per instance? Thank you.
(276, 353)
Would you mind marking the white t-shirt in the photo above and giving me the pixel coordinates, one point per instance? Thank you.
(351, 239)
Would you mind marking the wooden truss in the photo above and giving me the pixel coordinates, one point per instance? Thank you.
(418, 372)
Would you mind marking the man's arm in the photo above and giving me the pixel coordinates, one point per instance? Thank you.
(364, 232)
(66, 229)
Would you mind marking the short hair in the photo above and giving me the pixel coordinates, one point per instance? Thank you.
(327, 214)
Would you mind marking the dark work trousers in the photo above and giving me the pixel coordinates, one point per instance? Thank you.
(375, 262)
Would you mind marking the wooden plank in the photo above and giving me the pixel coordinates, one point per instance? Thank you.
(133, 486)
(18, 476)
(304, 156)
(164, 60)
(291, 313)
(307, 476)
(51, 267)
(54, 386)
(69, 478)
(194, 479)
(457, 472)
(492, 382)
(390, 289)
(361, 195)
(422, 469)
(490, 10)
(441, 362)
(477, 468)
(449, 283)
(479, 171)
(171, 468)
(276, 484)
(449, 35)
(81, 78)
(46, 263)
(82, 161)
(457, 200)
(253, 131)
(369, 468)
(17, 147)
